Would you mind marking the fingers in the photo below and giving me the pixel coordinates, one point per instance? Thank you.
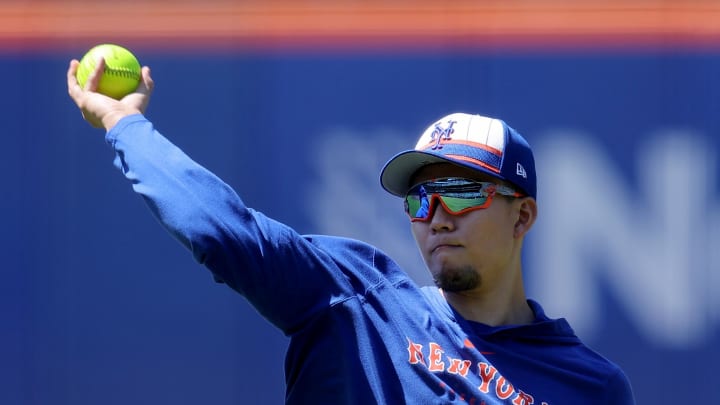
(94, 78)
(73, 85)
(72, 70)
(147, 84)
(141, 97)
(90, 104)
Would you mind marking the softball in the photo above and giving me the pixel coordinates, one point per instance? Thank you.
(122, 70)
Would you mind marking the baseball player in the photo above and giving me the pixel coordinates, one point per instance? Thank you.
(361, 331)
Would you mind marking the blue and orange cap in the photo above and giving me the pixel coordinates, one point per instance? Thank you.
(484, 144)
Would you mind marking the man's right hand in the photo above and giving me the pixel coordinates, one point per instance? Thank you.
(100, 110)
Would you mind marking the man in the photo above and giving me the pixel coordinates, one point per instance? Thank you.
(361, 332)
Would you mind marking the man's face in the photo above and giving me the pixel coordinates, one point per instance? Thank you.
(469, 251)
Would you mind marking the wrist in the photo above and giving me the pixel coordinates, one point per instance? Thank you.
(110, 119)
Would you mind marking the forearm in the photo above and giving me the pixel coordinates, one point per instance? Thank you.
(255, 255)
(193, 204)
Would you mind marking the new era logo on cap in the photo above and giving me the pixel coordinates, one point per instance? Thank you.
(521, 171)
(485, 144)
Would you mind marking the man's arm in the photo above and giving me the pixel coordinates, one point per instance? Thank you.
(255, 255)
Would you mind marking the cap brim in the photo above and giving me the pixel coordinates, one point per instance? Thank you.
(395, 176)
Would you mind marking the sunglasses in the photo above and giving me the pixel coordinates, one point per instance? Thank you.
(457, 196)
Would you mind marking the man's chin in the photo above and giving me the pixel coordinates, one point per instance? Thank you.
(457, 279)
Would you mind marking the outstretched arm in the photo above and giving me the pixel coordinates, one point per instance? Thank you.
(258, 257)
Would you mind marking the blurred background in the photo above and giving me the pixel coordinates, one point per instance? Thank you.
(619, 99)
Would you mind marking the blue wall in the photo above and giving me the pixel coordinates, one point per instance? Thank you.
(99, 305)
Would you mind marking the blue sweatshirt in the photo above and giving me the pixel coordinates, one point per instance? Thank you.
(361, 332)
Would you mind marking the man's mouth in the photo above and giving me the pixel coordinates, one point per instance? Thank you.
(443, 247)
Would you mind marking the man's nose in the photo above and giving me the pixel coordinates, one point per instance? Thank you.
(440, 218)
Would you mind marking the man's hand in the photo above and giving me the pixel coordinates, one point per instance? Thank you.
(102, 111)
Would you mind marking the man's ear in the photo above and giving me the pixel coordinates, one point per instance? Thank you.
(527, 214)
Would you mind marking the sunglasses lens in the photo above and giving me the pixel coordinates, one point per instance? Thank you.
(458, 204)
(417, 205)
(455, 199)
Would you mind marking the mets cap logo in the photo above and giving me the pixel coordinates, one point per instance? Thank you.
(440, 134)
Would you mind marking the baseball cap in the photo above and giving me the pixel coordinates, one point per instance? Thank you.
(484, 144)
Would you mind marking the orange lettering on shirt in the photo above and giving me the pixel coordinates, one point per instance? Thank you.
(487, 373)
(523, 399)
(460, 367)
(503, 388)
(415, 352)
(435, 362)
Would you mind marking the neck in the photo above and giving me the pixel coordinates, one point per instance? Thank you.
(494, 306)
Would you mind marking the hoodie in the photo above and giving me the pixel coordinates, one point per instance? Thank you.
(361, 331)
